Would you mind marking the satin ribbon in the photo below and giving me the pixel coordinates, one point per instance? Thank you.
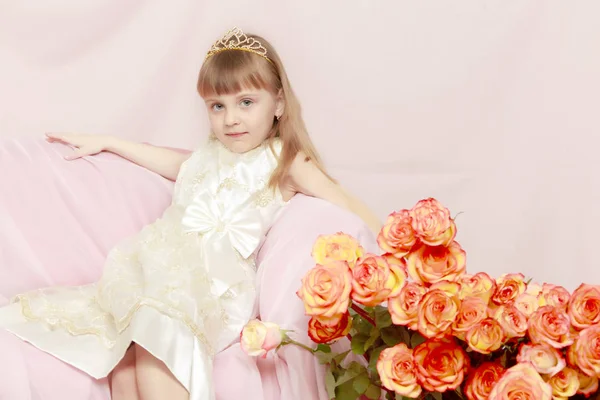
(239, 227)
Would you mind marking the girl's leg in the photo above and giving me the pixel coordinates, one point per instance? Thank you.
(155, 381)
(123, 381)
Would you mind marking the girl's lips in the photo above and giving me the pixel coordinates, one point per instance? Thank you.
(236, 134)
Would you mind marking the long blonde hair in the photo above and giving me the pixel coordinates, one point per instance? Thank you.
(231, 71)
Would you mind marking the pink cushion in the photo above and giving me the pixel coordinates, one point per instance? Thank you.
(58, 220)
(284, 259)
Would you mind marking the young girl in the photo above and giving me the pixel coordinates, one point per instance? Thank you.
(183, 288)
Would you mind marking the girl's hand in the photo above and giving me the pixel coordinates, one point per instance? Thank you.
(85, 145)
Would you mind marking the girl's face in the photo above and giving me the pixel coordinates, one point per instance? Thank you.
(243, 120)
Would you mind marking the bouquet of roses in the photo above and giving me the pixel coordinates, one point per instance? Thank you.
(425, 329)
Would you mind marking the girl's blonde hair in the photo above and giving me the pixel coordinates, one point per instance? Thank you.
(231, 71)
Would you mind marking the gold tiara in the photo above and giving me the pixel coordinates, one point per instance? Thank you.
(235, 39)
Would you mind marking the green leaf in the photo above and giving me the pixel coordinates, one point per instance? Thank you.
(383, 318)
(435, 395)
(340, 357)
(325, 348)
(392, 335)
(361, 383)
(346, 392)
(330, 383)
(405, 335)
(361, 325)
(416, 339)
(372, 338)
(324, 358)
(373, 357)
(358, 343)
(353, 370)
(373, 392)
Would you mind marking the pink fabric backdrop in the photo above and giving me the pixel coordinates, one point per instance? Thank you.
(487, 105)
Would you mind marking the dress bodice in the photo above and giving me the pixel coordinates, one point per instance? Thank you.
(225, 191)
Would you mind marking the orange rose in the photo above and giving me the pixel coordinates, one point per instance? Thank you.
(486, 337)
(392, 259)
(397, 235)
(320, 333)
(534, 289)
(480, 382)
(478, 285)
(434, 264)
(326, 291)
(527, 304)
(585, 352)
(337, 247)
(449, 287)
(588, 385)
(545, 359)
(437, 311)
(472, 311)
(404, 308)
(552, 326)
(441, 364)
(553, 295)
(432, 223)
(508, 288)
(584, 306)
(521, 382)
(565, 383)
(512, 321)
(374, 280)
(397, 371)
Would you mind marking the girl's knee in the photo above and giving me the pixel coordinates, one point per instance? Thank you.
(123, 381)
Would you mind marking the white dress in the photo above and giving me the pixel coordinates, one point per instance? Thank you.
(182, 288)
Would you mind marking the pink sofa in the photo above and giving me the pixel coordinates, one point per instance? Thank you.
(58, 220)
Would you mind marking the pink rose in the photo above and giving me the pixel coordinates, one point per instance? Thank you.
(521, 381)
(396, 368)
(441, 364)
(527, 304)
(545, 359)
(397, 235)
(432, 223)
(552, 326)
(326, 290)
(480, 382)
(374, 280)
(258, 338)
(584, 306)
(479, 285)
(508, 288)
(404, 308)
(434, 264)
(553, 295)
(437, 311)
(512, 321)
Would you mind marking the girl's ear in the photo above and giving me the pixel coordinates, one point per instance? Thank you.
(280, 104)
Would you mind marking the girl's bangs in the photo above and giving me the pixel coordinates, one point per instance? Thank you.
(230, 72)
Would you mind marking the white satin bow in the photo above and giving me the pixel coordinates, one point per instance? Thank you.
(242, 226)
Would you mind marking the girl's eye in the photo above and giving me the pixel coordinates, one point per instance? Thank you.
(217, 107)
(247, 103)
